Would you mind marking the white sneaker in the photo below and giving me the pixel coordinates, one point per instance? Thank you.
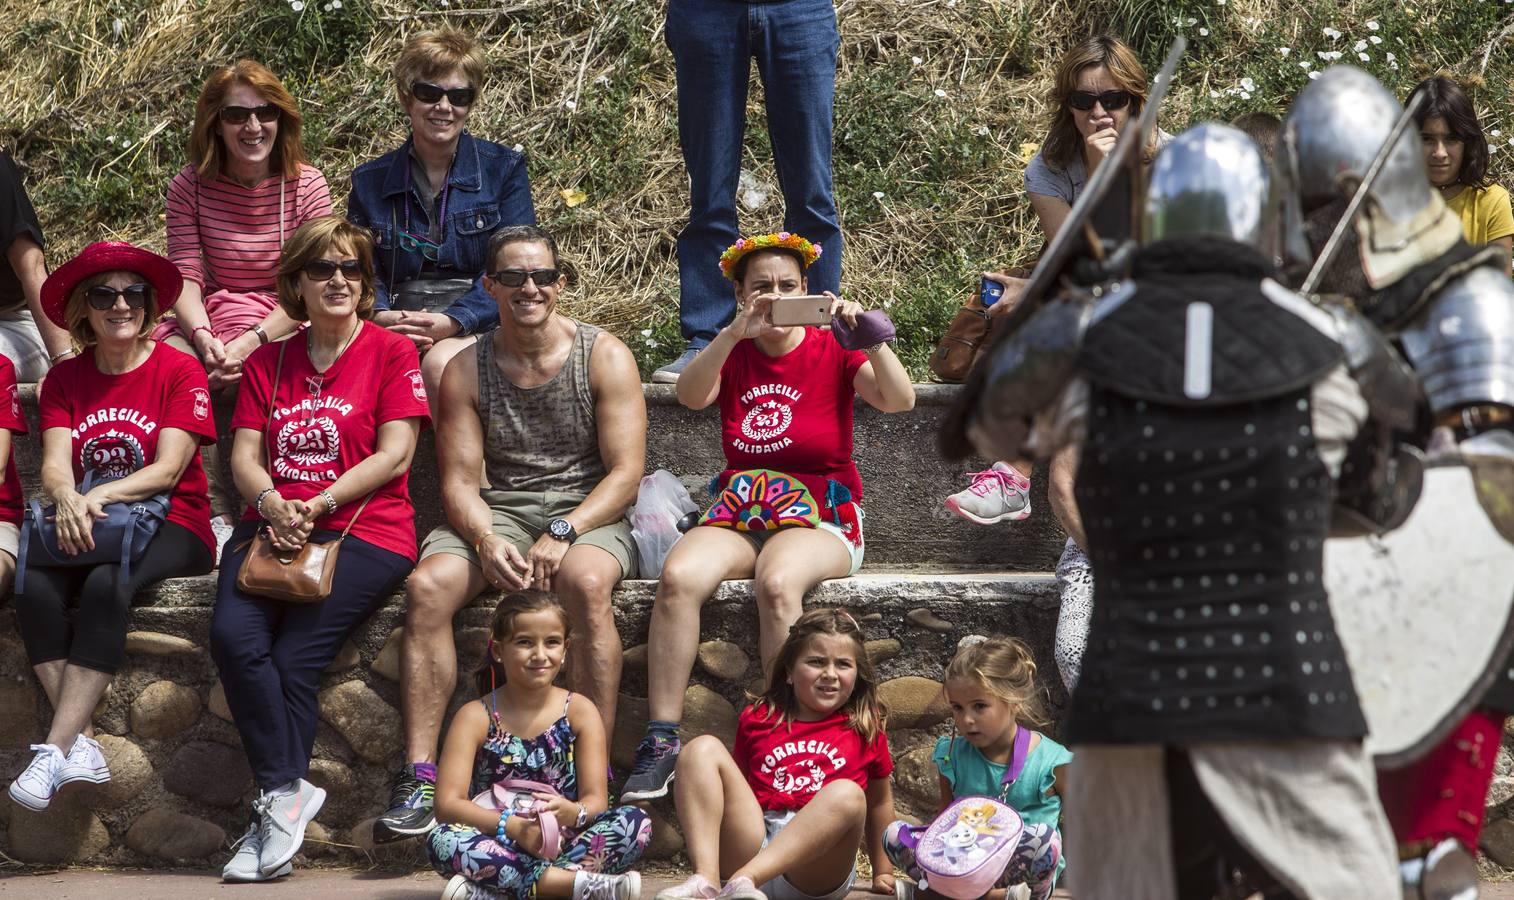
(460, 888)
(85, 762)
(996, 495)
(594, 886)
(243, 865)
(281, 830)
(34, 788)
(695, 887)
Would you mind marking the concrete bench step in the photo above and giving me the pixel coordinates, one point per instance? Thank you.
(181, 785)
(903, 476)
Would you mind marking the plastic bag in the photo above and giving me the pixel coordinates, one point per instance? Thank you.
(661, 502)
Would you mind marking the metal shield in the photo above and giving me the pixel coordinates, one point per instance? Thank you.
(1424, 614)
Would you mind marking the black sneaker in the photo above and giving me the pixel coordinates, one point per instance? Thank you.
(411, 808)
(656, 757)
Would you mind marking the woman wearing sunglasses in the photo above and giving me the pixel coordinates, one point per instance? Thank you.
(1100, 87)
(134, 413)
(324, 430)
(247, 187)
(432, 204)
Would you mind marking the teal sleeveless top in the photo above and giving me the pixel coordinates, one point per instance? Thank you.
(1031, 796)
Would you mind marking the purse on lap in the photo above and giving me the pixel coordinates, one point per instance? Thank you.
(519, 796)
(763, 500)
(966, 849)
(121, 537)
(294, 576)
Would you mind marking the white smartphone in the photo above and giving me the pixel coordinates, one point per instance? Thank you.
(809, 309)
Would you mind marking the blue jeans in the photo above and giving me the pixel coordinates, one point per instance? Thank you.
(713, 41)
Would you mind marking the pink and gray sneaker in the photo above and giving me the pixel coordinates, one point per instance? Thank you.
(999, 494)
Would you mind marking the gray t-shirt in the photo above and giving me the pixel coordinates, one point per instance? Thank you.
(1067, 184)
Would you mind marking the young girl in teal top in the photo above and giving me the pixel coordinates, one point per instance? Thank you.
(991, 688)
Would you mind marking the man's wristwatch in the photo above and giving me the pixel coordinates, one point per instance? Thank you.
(562, 530)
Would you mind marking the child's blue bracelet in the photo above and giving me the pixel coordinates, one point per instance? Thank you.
(499, 833)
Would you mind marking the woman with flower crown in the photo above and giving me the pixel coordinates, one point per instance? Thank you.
(787, 507)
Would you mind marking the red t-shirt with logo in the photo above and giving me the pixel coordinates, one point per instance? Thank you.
(326, 423)
(12, 421)
(116, 420)
(791, 413)
(787, 765)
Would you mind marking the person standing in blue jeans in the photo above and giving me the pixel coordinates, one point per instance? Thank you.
(713, 42)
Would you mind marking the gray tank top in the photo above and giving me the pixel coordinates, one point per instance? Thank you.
(543, 438)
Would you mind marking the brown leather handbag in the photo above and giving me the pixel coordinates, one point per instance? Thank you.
(298, 576)
(965, 338)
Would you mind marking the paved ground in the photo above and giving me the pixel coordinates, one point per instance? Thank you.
(319, 883)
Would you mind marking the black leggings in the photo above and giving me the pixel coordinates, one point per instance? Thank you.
(94, 635)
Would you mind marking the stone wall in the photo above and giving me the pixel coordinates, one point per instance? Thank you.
(181, 787)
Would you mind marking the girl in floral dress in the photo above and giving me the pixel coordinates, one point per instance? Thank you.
(489, 853)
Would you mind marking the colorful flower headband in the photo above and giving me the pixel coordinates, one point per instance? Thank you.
(810, 252)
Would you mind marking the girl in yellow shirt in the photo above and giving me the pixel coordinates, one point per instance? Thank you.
(1456, 157)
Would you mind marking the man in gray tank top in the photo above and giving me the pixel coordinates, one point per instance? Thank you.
(554, 408)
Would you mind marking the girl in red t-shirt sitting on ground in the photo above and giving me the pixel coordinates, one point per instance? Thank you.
(785, 396)
(807, 782)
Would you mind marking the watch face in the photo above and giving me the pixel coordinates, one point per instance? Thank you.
(559, 528)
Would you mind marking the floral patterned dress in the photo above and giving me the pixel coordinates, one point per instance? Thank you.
(611, 843)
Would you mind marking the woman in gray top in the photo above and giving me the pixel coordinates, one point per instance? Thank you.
(1100, 87)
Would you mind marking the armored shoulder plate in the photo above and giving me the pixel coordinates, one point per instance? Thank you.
(1028, 371)
(1462, 342)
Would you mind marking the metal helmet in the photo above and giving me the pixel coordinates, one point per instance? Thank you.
(1330, 137)
(1211, 180)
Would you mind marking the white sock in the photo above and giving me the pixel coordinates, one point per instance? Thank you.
(579, 878)
(285, 789)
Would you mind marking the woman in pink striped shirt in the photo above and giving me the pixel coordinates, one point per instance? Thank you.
(248, 187)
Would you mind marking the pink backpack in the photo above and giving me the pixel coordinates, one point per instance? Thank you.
(967, 848)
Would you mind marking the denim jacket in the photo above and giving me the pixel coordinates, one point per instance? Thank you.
(489, 190)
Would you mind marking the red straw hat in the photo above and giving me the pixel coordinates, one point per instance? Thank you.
(109, 256)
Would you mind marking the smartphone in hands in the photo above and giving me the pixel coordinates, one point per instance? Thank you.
(989, 292)
(808, 309)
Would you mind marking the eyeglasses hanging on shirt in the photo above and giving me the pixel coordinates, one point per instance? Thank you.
(411, 242)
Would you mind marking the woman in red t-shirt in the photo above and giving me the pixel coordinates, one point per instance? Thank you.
(134, 412)
(325, 426)
(782, 815)
(785, 399)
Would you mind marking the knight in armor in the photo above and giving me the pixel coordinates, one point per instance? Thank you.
(1217, 729)
(1450, 306)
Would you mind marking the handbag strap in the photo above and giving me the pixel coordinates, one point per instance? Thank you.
(278, 371)
(1016, 760)
(33, 520)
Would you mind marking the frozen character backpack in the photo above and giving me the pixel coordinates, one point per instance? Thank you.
(965, 850)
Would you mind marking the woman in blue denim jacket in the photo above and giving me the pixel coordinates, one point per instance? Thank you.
(433, 203)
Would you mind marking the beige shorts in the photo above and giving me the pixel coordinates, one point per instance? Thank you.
(853, 551)
(779, 888)
(521, 517)
(10, 539)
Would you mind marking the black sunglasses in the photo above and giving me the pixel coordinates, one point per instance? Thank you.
(103, 297)
(517, 277)
(1110, 100)
(432, 93)
(238, 115)
(325, 269)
